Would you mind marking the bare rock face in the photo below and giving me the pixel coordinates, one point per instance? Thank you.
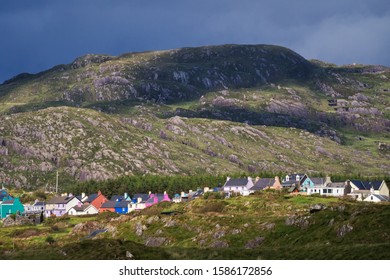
(139, 229)
(254, 243)
(16, 220)
(219, 244)
(317, 207)
(298, 221)
(86, 228)
(89, 59)
(383, 146)
(156, 241)
(343, 230)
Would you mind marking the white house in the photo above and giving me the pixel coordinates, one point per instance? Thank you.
(362, 189)
(242, 185)
(36, 208)
(377, 198)
(81, 210)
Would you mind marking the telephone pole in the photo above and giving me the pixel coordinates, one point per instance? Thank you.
(57, 182)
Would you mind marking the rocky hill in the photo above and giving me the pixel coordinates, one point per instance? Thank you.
(214, 109)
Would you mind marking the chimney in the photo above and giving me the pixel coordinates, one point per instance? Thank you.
(139, 199)
(99, 192)
(82, 195)
(227, 179)
(150, 193)
(190, 191)
(70, 195)
(126, 196)
(257, 179)
(182, 194)
(206, 189)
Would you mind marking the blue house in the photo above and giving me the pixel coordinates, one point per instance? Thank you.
(122, 206)
(4, 195)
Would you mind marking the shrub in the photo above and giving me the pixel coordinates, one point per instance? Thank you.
(211, 206)
(50, 240)
(213, 195)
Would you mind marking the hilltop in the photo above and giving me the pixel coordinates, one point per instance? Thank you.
(215, 109)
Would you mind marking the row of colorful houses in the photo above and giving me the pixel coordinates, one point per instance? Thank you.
(296, 184)
(372, 191)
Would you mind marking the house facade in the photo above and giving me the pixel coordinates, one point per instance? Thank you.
(36, 208)
(122, 206)
(138, 202)
(83, 209)
(60, 205)
(10, 206)
(241, 185)
(266, 183)
(317, 186)
(362, 189)
(295, 179)
(96, 199)
(157, 198)
(108, 206)
(377, 198)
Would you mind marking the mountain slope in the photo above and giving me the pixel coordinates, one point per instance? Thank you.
(214, 109)
(85, 144)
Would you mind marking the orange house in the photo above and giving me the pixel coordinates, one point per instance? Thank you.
(108, 206)
(96, 199)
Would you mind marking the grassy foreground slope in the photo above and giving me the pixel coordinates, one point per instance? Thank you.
(263, 226)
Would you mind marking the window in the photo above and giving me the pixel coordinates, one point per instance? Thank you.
(372, 198)
(324, 191)
(329, 190)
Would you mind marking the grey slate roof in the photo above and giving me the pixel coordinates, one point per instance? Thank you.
(9, 201)
(109, 204)
(381, 197)
(81, 208)
(292, 181)
(60, 200)
(122, 204)
(144, 196)
(318, 181)
(116, 197)
(159, 196)
(336, 185)
(236, 182)
(366, 185)
(262, 184)
(39, 203)
(91, 197)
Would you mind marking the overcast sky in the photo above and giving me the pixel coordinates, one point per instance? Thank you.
(39, 34)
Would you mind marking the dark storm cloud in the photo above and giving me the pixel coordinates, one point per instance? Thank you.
(39, 34)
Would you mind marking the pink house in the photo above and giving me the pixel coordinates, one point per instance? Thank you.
(156, 198)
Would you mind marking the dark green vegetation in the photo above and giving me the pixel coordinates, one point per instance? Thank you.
(267, 225)
(216, 110)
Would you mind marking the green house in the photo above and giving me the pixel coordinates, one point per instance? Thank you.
(10, 206)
